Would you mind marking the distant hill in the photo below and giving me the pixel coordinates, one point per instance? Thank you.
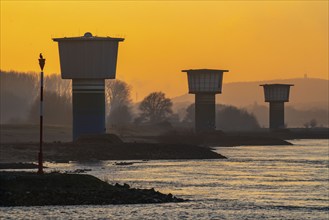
(308, 93)
(308, 101)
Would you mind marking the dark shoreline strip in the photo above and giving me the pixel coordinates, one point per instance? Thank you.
(31, 189)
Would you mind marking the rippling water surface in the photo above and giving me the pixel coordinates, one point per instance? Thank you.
(261, 182)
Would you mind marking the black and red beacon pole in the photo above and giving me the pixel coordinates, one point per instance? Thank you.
(42, 62)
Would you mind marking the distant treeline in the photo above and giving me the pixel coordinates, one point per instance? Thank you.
(20, 104)
(293, 117)
(20, 94)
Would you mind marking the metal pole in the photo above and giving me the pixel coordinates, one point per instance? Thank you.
(40, 155)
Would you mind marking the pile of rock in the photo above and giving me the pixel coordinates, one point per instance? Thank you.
(30, 189)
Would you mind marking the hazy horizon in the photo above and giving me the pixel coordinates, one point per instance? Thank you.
(308, 98)
(253, 40)
(177, 95)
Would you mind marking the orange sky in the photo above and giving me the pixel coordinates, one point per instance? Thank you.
(254, 40)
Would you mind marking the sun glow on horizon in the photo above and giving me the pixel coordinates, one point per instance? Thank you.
(254, 40)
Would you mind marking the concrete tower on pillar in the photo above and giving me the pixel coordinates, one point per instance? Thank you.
(276, 95)
(205, 84)
(88, 60)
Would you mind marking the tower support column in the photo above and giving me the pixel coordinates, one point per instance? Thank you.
(277, 115)
(88, 105)
(205, 112)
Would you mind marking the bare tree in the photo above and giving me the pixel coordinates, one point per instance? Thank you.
(119, 102)
(57, 109)
(155, 107)
(120, 116)
(117, 93)
(313, 123)
(54, 83)
(17, 93)
(190, 114)
(233, 118)
(228, 118)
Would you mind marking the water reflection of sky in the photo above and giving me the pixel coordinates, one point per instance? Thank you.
(256, 182)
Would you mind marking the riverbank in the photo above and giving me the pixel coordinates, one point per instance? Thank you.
(277, 182)
(168, 146)
(18, 166)
(31, 189)
(95, 151)
(220, 139)
(24, 133)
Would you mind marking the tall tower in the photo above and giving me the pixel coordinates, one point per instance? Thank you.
(205, 84)
(276, 95)
(88, 60)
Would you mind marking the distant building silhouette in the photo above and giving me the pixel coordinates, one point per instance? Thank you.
(88, 61)
(205, 84)
(276, 95)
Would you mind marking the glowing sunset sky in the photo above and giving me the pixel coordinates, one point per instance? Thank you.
(254, 40)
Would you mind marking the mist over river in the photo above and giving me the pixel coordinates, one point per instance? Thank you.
(256, 182)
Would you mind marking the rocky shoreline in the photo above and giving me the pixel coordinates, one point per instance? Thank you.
(31, 189)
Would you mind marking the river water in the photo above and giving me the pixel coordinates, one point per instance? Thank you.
(256, 182)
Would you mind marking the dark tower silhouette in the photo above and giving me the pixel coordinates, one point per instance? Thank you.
(88, 60)
(276, 95)
(205, 84)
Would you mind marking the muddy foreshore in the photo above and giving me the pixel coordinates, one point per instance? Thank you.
(64, 152)
(170, 146)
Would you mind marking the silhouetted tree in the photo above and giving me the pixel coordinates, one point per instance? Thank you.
(155, 107)
(190, 114)
(117, 93)
(57, 109)
(311, 124)
(55, 83)
(120, 116)
(261, 112)
(118, 102)
(232, 118)
(293, 116)
(17, 92)
(227, 118)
